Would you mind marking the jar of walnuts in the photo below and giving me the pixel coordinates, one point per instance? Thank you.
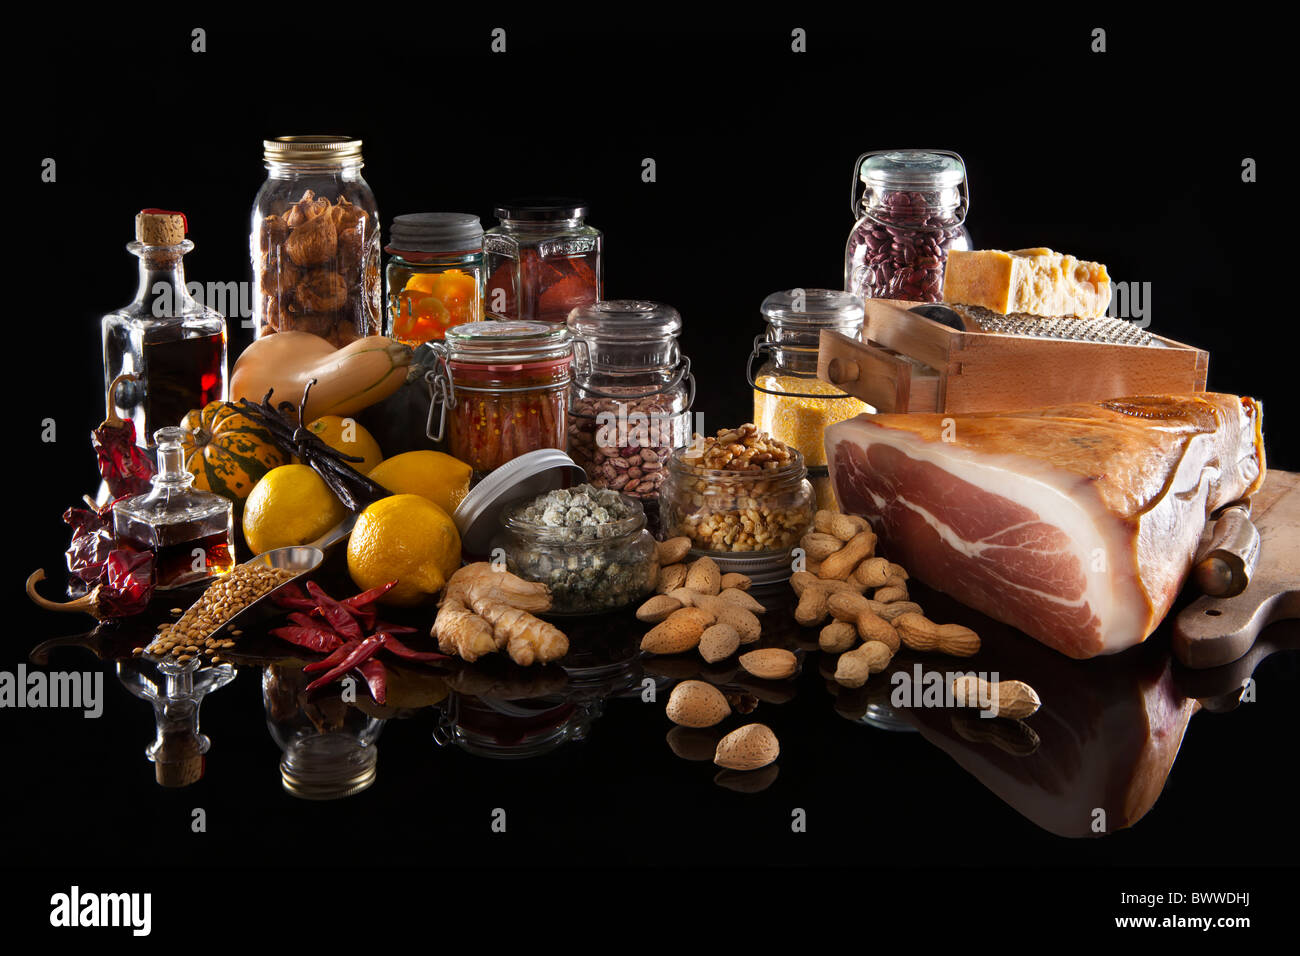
(740, 491)
(315, 241)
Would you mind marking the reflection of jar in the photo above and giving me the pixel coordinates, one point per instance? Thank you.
(434, 275)
(632, 394)
(758, 510)
(315, 241)
(589, 570)
(790, 402)
(506, 390)
(542, 261)
(911, 213)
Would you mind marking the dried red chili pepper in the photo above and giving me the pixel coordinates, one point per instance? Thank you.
(335, 614)
(92, 540)
(363, 652)
(388, 628)
(123, 591)
(401, 650)
(336, 657)
(376, 676)
(125, 467)
(365, 598)
(292, 596)
(312, 638)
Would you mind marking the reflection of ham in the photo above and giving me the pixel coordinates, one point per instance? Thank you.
(1076, 525)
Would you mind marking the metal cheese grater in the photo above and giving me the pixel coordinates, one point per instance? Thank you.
(1104, 329)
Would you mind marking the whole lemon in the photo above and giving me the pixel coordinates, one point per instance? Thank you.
(346, 436)
(406, 538)
(442, 479)
(290, 505)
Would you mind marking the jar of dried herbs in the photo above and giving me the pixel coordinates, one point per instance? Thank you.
(589, 545)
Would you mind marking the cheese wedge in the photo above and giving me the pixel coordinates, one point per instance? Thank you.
(1032, 281)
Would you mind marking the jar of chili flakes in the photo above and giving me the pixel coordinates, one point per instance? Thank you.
(632, 394)
(543, 260)
(504, 390)
(434, 275)
(911, 213)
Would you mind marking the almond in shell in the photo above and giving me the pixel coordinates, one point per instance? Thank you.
(696, 703)
(770, 663)
(747, 748)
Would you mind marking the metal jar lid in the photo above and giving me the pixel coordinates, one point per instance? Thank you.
(542, 209)
(311, 150)
(478, 516)
(435, 232)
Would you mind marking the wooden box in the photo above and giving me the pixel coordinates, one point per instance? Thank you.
(909, 363)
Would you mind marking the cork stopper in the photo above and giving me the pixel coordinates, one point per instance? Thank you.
(160, 227)
(179, 773)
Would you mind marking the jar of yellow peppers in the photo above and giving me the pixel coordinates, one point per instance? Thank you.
(790, 402)
(434, 275)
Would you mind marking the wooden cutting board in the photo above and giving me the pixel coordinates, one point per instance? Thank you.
(1214, 631)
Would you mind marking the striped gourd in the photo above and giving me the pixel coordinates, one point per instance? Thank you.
(226, 451)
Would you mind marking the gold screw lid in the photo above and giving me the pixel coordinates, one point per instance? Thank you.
(160, 227)
(311, 150)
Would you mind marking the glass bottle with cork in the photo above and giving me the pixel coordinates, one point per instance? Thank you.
(174, 346)
(190, 532)
(790, 402)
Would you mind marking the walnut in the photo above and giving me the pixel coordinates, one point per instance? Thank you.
(321, 291)
(313, 242)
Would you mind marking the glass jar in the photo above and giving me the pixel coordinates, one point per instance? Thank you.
(170, 348)
(911, 213)
(632, 394)
(790, 402)
(315, 241)
(434, 275)
(503, 388)
(543, 260)
(590, 570)
(727, 512)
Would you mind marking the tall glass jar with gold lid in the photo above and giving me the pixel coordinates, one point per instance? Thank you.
(790, 402)
(315, 241)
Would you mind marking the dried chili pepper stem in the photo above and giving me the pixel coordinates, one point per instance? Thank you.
(86, 604)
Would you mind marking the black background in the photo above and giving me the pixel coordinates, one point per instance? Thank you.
(1131, 157)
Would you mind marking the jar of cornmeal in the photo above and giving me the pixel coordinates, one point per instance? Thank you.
(790, 402)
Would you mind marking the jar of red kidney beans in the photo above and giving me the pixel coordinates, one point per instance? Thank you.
(912, 211)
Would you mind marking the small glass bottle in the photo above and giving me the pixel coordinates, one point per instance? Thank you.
(174, 346)
(190, 532)
(542, 261)
(434, 275)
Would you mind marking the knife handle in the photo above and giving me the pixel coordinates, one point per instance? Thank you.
(1225, 566)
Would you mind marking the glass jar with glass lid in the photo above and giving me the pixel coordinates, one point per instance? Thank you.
(501, 389)
(911, 213)
(632, 395)
(315, 241)
(543, 260)
(790, 402)
(434, 275)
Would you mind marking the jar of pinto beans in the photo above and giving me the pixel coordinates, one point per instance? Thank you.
(912, 211)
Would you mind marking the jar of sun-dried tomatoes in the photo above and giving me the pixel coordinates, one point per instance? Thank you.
(503, 390)
(543, 260)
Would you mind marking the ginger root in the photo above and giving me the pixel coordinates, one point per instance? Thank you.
(484, 610)
(462, 632)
